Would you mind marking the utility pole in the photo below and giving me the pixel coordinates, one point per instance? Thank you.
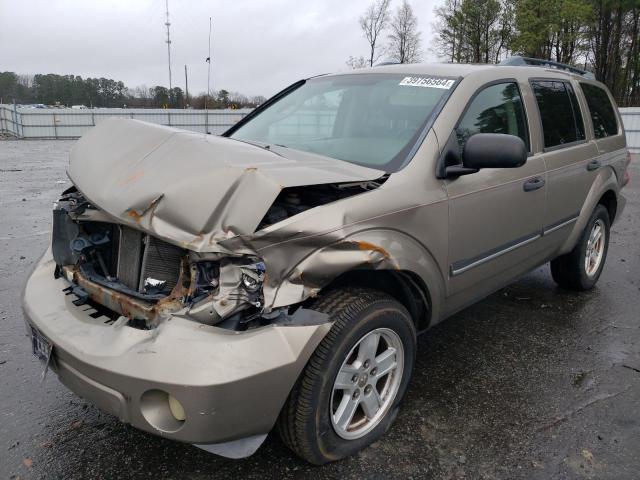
(186, 87)
(168, 42)
(206, 99)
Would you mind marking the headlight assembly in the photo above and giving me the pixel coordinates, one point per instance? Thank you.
(253, 277)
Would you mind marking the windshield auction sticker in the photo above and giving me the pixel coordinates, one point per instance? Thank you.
(430, 82)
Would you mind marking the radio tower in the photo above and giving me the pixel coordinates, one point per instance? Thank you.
(168, 42)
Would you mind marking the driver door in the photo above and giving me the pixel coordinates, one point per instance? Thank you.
(495, 215)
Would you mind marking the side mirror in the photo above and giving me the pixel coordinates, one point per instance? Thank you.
(494, 150)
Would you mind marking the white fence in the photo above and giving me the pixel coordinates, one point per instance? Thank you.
(631, 120)
(23, 122)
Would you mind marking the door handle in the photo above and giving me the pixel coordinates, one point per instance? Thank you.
(533, 184)
(593, 165)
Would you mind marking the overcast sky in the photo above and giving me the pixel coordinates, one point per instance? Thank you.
(258, 47)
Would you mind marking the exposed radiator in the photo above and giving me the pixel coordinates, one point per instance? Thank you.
(129, 257)
(142, 256)
(160, 261)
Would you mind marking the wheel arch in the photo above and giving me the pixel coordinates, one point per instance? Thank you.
(604, 190)
(609, 200)
(404, 286)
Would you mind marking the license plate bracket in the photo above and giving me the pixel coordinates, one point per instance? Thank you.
(41, 348)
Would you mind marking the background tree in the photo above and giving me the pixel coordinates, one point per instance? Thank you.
(257, 100)
(600, 35)
(404, 39)
(480, 29)
(613, 44)
(223, 98)
(553, 30)
(160, 95)
(52, 89)
(357, 62)
(372, 23)
(12, 86)
(447, 27)
(176, 98)
(476, 31)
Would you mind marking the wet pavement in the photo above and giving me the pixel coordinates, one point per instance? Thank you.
(531, 383)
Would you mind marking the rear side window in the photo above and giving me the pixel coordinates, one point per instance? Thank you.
(602, 113)
(559, 111)
(496, 109)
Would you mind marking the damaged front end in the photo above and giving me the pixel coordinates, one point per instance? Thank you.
(121, 271)
(146, 236)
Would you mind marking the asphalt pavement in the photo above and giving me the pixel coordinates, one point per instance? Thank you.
(533, 382)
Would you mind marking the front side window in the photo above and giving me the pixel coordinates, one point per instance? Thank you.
(559, 112)
(602, 113)
(496, 109)
(368, 119)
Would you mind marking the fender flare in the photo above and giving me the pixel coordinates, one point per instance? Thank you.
(605, 180)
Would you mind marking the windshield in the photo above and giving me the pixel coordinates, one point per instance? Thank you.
(368, 119)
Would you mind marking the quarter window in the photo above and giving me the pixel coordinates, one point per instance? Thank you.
(602, 113)
(496, 109)
(559, 111)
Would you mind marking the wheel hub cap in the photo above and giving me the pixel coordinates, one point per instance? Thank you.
(595, 248)
(367, 383)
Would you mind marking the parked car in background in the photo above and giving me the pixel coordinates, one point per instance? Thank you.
(208, 289)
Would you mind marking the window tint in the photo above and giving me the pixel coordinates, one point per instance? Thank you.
(496, 109)
(559, 111)
(602, 113)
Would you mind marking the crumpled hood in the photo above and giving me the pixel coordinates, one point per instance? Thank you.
(190, 188)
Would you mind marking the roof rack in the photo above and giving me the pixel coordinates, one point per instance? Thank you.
(518, 61)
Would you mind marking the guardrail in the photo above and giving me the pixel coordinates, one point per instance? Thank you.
(69, 123)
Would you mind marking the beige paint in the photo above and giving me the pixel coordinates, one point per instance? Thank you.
(208, 194)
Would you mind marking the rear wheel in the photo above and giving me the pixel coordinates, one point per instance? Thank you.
(581, 267)
(348, 395)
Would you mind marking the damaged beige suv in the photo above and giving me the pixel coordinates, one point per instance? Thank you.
(208, 289)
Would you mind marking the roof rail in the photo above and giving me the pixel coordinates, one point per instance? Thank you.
(518, 61)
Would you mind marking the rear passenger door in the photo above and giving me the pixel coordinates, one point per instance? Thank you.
(567, 155)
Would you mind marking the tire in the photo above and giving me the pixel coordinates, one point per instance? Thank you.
(306, 423)
(570, 271)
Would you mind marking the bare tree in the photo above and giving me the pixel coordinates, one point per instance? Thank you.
(405, 42)
(357, 62)
(25, 80)
(447, 27)
(372, 23)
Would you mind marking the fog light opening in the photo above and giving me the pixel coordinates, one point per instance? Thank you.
(162, 411)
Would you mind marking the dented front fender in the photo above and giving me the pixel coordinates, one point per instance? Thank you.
(380, 249)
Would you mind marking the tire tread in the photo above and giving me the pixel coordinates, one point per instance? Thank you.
(567, 270)
(342, 306)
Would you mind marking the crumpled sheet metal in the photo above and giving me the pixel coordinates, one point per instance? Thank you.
(305, 255)
(212, 199)
(189, 188)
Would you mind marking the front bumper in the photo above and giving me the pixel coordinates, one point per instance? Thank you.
(232, 385)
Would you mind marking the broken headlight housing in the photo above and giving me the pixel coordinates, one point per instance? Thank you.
(253, 277)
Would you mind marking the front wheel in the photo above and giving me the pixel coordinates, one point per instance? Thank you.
(348, 395)
(581, 267)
